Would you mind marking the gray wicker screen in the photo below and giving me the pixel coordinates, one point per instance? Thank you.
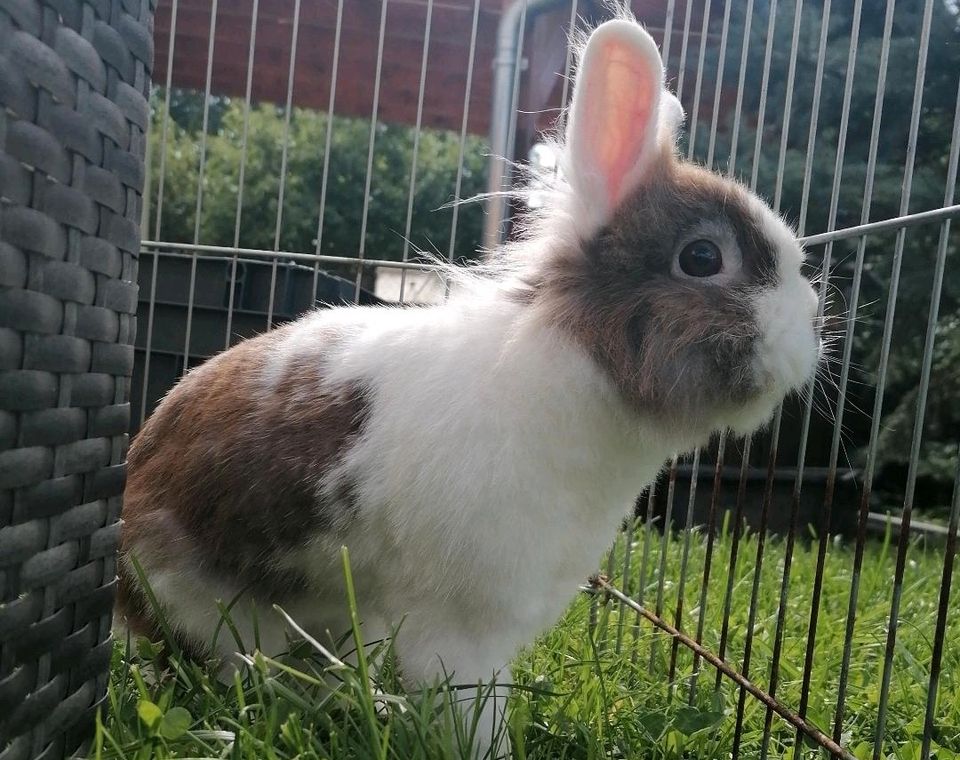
(73, 112)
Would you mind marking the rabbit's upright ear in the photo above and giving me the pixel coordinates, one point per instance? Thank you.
(619, 115)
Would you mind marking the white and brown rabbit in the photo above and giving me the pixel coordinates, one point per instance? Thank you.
(478, 456)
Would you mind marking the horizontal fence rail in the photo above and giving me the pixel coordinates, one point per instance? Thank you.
(862, 230)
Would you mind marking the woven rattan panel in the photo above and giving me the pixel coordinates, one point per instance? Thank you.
(74, 75)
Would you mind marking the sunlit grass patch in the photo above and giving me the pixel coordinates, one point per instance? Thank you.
(605, 694)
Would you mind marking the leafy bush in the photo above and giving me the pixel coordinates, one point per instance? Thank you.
(262, 162)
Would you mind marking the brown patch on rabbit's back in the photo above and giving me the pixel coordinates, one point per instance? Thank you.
(237, 469)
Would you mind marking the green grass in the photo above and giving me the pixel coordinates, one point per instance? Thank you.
(579, 695)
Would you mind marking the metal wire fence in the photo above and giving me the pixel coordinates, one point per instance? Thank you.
(845, 115)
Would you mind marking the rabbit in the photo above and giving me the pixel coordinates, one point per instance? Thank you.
(478, 456)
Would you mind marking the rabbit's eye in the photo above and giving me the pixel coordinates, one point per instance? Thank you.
(701, 258)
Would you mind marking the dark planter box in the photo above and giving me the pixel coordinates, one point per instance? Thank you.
(252, 312)
(810, 514)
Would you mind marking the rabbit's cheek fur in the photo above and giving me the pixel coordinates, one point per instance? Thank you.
(788, 352)
(785, 356)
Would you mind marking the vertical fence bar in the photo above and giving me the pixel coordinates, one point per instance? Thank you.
(697, 88)
(568, 63)
(721, 447)
(361, 251)
(795, 505)
(864, 506)
(808, 405)
(633, 523)
(844, 375)
(775, 430)
(748, 442)
(672, 477)
(721, 444)
(906, 514)
(162, 170)
(629, 534)
(668, 31)
(764, 91)
(943, 607)
(642, 587)
(734, 555)
(201, 175)
(814, 116)
(785, 586)
(652, 487)
(514, 105)
(665, 538)
(718, 85)
(707, 562)
(145, 214)
(684, 558)
(688, 523)
(327, 142)
(809, 391)
(741, 80)
(467, 90)
(593, 615)
(685, 41)
(755, 591)
(412, 191)
(607, 599)
(788, 103)
(278, 225)
(245, 134)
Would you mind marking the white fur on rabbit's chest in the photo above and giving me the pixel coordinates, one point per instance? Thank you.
(491, 473)
(515, 538)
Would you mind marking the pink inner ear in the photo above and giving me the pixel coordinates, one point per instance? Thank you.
(622, 90)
